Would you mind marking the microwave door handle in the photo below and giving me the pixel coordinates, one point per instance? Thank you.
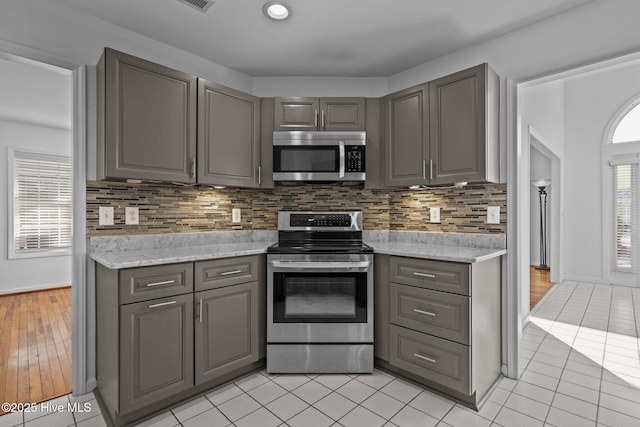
(342, 159)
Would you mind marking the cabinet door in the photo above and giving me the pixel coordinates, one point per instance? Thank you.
(228, 136)
(460, 148)
(156, 350)
(342, 114)
(149, 128)
(407, 142)
(226, 330)
(296, 113)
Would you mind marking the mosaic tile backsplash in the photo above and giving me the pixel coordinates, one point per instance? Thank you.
(165, 208)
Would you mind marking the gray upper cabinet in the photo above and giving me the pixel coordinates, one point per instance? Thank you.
(445, 131)
(464, 141)
(407, 136)
(146, 120)
(228, 136)
(319, 114)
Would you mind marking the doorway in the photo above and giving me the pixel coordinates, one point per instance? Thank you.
(40, 121)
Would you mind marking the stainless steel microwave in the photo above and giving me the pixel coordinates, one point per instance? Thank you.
(319, 156)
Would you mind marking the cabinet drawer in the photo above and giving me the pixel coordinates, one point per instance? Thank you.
(438, 275)
(145, 283)
(437, 313)
(218, 273)
(435, 359)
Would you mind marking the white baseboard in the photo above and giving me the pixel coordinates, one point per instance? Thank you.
(33, 288)
(596, 280)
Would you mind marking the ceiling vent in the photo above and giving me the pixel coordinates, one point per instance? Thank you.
(201, 5)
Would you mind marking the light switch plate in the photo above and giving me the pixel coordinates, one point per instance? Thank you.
(493, 215)
(434, 215)
(131, 215)
(105, 215)
(236, 215)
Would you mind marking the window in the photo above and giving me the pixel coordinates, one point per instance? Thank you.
(624, 192)
(40, 198)
(628, 129)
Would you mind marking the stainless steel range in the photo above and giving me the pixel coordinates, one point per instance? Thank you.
(319, 295)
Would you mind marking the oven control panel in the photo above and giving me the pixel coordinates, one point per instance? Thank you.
(320, 220)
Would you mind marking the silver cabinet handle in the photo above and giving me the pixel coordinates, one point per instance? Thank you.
(429, 275)
(164, 282)
(200, 311)
(315, 123)
(426, 313)
(193, 168)
(431, 169)
(162, 304)
(259, 175)
(424, 170)
(342, 159)
(428, 359)
(322, 123)
(227, 273)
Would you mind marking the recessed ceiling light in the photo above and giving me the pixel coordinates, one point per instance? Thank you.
(276, 10)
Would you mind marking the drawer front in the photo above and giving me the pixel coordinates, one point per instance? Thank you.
(438, 275)
(437, 313)
(158, 281)
(223, 272)
(441, 361)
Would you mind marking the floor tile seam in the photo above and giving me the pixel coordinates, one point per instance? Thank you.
(526, 415)
(564, 367)
(623, 398)
(215, 406)
(619, 412)
(606, 337)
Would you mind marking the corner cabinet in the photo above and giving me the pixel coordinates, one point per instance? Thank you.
(146, 120)
(168, 332)
(319, 114)
(407, 136)
(464, 127)
(444, 131)
(440, 324)
(228, 136)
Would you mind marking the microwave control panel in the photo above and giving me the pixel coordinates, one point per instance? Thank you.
(355, 161)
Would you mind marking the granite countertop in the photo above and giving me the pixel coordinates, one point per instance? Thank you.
(437, 251)
(138, 251)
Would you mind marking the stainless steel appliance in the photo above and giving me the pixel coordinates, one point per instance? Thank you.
(319, 156)
(320, 295)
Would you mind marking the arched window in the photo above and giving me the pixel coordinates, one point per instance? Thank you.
(621, 152)
(628, 129)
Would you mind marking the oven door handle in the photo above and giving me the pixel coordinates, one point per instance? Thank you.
(328, 265)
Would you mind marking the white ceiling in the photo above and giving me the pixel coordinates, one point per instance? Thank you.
(364, 38)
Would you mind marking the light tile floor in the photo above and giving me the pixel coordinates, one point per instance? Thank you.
(581, 367)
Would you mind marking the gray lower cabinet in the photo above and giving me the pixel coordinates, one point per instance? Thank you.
(146, 126)
(226, 331)
(443, 326)
(319, 114)
(228, 136)
(158, 342)
(156, 350)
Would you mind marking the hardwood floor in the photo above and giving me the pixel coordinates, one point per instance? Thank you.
(35, 345)
(539, 285)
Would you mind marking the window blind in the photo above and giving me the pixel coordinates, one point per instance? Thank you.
(42, 202)
(625, 187)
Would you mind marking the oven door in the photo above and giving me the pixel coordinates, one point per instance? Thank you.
(320, 298)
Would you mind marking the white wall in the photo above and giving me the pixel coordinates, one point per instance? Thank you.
(591, 102)
(35, 114)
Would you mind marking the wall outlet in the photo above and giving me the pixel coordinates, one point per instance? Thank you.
(236, 217)
(434, 215)
(105, 215)
(131, 215)
(493, 215)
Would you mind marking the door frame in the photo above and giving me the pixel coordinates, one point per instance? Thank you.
(82, 372)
